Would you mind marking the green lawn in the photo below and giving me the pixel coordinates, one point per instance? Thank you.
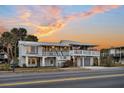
(118, 65)
(3, 67)
(41, 69)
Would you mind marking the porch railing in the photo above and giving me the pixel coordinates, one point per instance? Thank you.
(84, 53)
(55, 53)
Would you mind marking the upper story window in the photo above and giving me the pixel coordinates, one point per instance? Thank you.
(32, 49)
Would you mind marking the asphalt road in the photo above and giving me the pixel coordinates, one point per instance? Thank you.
(79, 79)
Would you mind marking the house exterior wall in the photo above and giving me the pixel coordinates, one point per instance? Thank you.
(117, 54)
(53, 55)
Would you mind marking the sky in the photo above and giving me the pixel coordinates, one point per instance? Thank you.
(102, 25)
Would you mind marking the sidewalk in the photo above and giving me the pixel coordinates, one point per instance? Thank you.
(104, 68)
(60, 70)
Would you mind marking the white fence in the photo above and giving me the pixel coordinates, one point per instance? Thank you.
(84, 53)
(69, 53)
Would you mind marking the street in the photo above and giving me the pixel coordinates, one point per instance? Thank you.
(109, 78)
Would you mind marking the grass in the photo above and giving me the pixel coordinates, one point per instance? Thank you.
(49, 69)
(114, 65)
(118, 65)
(5, 67)
(40, 69)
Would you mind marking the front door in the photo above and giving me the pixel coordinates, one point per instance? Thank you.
(87, 61)
(38, 62)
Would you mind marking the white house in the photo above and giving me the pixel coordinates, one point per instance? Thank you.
(117, 54)
(33, 54)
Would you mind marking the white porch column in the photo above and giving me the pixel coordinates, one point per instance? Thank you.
(26, 61)
(83, 61)
(78, 62)
(43, 61)
(91, 61)
(56, 61)
(98, 61)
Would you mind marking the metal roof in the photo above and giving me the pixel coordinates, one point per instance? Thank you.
(76, 43)
(61, 43)
(42, 43)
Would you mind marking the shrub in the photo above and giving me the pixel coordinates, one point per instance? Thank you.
(68, 63)
(109, 62)
(24, 65)
(5, 67)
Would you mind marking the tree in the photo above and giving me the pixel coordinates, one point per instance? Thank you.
(104, 53)
(18, 34)
(109, 61)
(7, 41)
(31, 38)
(10, 41)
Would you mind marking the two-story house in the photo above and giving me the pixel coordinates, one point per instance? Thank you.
(117, 54)
(33, 54)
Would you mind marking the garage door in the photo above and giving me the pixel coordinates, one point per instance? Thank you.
(87, 61)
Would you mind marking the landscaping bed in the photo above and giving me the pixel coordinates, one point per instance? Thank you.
(43, 69)
(40, 69)
(5, 67)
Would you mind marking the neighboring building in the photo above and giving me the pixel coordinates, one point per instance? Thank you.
(33, 54)
(116, 53)
(3, 55)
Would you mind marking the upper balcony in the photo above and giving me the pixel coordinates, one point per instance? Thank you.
(71, 53)
(57, 53)
(84, 53)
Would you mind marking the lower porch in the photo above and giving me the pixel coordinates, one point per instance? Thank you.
(82, 61)
(27, 61)
(76, 61)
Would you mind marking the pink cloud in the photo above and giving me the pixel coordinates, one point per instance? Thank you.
(46, 20)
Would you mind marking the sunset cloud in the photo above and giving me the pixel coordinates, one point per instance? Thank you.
(56, 22)
(46, 20)
(59, 21)
(2, 29)
(92, 12)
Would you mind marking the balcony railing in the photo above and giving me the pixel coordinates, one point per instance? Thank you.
(118, 55)
(55, 53)
(67, 53)
(84, 53)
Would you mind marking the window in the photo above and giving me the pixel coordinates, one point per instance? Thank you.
(31, 60)
(32, 49)
(64, 57)
(51, 62)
